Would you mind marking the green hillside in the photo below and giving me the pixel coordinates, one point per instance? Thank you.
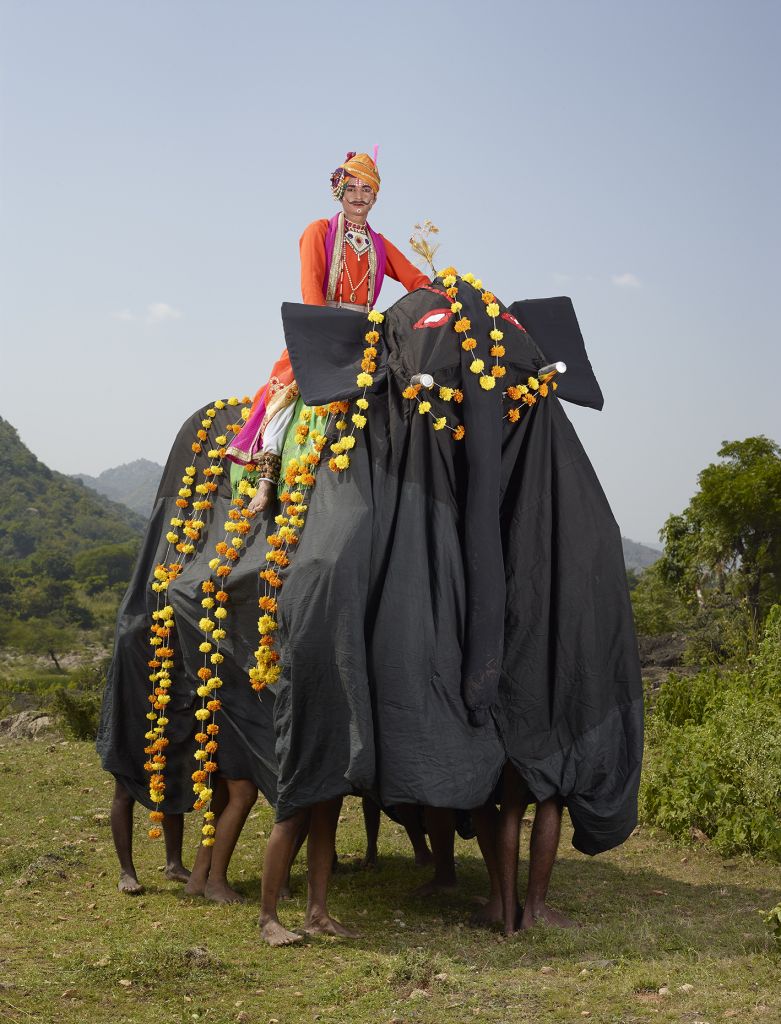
(66, 555)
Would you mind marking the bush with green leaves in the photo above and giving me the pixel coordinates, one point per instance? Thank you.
(76, 704)
(714, 754)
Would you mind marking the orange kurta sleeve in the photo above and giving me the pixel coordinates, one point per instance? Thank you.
(312, 247)
(400, 269)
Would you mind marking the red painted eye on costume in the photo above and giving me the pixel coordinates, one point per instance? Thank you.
(434, 318)
(509, 317)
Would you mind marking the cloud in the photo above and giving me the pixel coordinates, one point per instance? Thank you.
(158, 312)
(123, 314)
(625, 281)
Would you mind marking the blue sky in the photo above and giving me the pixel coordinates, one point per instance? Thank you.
(160, 159)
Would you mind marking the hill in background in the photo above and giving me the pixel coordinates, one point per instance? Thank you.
(134, 484)
(638, 556)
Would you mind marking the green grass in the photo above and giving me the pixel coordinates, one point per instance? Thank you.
(73, 950)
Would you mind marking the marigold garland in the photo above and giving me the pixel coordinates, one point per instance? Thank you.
(162, 627)
(527, 393)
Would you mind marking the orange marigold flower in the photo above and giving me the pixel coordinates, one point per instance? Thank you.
(529, 399)
(498, 371)
(234, 514)
(411, 391)
(204, 673)
(197, 448)
(370, 352)
(267, 640)
(488, 297)
(514, 415)
(544, 390)
(468, 344)
(268, 604)
(458, 396)
(497, 350)
(155, 833)
(214, 705)
(181, 503)
(210, 766)
(459, 432)
(199, 776)
(462, 326)
(201, 737)
(211, 746)
(208, 587)
(198, 805)
(212, 729)
(221, 548)
(231, 554)
(223, 570)
(451, 292)
(257, 686)
(222, 596)
(154, 663)
(372, 337)
(156, 815)
(201, 435)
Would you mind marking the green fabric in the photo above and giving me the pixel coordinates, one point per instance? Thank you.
(290, 448)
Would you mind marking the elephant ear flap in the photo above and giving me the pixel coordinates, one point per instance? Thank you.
(555, 329)
(325, 347)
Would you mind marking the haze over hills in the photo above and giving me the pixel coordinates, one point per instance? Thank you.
(135, 485)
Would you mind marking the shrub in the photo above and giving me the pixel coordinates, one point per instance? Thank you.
(714, 755)
(76, 704)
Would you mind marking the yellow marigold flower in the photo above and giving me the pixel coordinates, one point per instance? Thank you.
(371, 337)
(202, 714)
(439, 424)
(446, 394)
(496, 334)
(497, 351)
(219, 634)
(341, 424)
(348, 442)
(364, 380)
(498, 371)
(200, 755)
(172, 537)
(477, 283)
(233, 400)
(554, 385)
(342, 461)
(469, 278)
(477, 366)
(487, 382)
(456, 307)
(203, 691)
(375, 317)
(207, 841)
(358, 420)
(217, 658)
(362, 403)
(492, 309)
(219, 404)
(207, 602)
(185, 492)
(220, 613)
(423, 407)
(533, 383)
(449, 279)
(237, 542)
(468, 344)
(206, 625)
(208, 830)
(459, 432)
(245, 414)
(462, 326)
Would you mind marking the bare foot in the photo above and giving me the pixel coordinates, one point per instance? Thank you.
(518, 918)
(369, 860)
(546, 915)
(196, 885)
(267, 492)
(221, 892)
(324, 924)
(285, 893)
(434, 886)
(129, 884)
(176, 872)
(490, 913)
(272, 932)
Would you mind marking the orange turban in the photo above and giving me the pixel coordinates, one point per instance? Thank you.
(356, 165)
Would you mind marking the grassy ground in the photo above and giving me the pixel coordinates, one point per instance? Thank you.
(668, 934)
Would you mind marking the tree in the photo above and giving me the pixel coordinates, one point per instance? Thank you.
(728, 539)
